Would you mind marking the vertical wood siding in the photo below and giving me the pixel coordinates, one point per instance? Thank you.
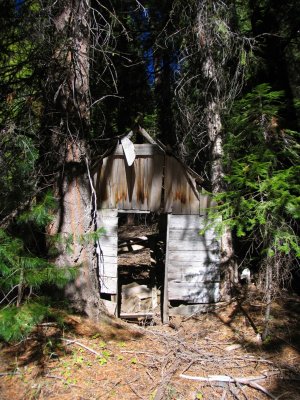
(181, 195)
(108, 271)
(192, 261)
(138, 187)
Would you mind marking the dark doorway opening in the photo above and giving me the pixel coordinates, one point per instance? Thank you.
(141, 266)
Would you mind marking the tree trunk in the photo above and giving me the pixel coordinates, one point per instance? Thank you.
(215, 137)
(68, 121)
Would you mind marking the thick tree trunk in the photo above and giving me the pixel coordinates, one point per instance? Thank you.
(68, 122)
(215, 137)
(228, 263)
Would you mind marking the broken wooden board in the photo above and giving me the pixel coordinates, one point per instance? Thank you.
(137, 299)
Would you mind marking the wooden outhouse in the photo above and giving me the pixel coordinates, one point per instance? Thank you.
(158, 182)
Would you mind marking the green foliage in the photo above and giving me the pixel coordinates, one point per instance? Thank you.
(41, 213)
(262, 203)
(19, 267)
(17, 322)
(23, 273)
(18, 177)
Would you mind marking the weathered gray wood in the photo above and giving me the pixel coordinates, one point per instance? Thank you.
(165, 307)
(194, 292)
(156, 186)
(133, 289)
(191, 234)
(136, 298)
(130, 188)
(192, 260)
(107, 213)
(110, 259)
(136, 315)
(133, 210)
(111, 240)
(200, 245)
(111, 306)
(146, 135)
(181, 196)
(108, 284)
(186, 310)
(141, 150)
(194, 264)
(108, 268)
(206, 257)
(183, 222)
(111, 230)
(109, 250)
(195, 275)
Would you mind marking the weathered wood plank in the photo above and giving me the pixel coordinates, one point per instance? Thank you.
(193, 199)
(194, 292)
(200, 245)
(140, 291)
(191, 234)
(103, 183)
(110, 259)
(138, 315)
(206, 257)
(178, 187)
(186, 310)
(111, 306)
(204, 204)
(108, 284)
(120, 186)
(183, 222)
(108, 269)
(109, 250)
(165, 305)
(141, 150)
(214, 266)
(156, 185)
(168, 197)
(107, 213)
(107, 241)
(181, 192)
(195, 275)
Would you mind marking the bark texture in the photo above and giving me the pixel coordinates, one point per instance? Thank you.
(67, 126)
(211, 68)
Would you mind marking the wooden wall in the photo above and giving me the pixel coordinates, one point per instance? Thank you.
(108, 269)
(192, 261)
(140, 186)
(159, 182)
(181, 195)
(136, 188)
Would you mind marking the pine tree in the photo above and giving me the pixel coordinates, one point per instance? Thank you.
(261, 203)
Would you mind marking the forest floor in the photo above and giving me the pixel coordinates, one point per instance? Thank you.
(116, 360)
(81, 360)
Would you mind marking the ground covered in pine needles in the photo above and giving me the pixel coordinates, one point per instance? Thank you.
(210, 356)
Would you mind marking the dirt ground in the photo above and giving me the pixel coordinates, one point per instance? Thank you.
(116, 360)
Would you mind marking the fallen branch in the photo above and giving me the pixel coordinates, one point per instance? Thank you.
(134, 391)
(249, 381)
(9, 373)
(69, 341)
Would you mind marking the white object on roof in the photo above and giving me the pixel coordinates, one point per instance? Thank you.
(128, 148)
